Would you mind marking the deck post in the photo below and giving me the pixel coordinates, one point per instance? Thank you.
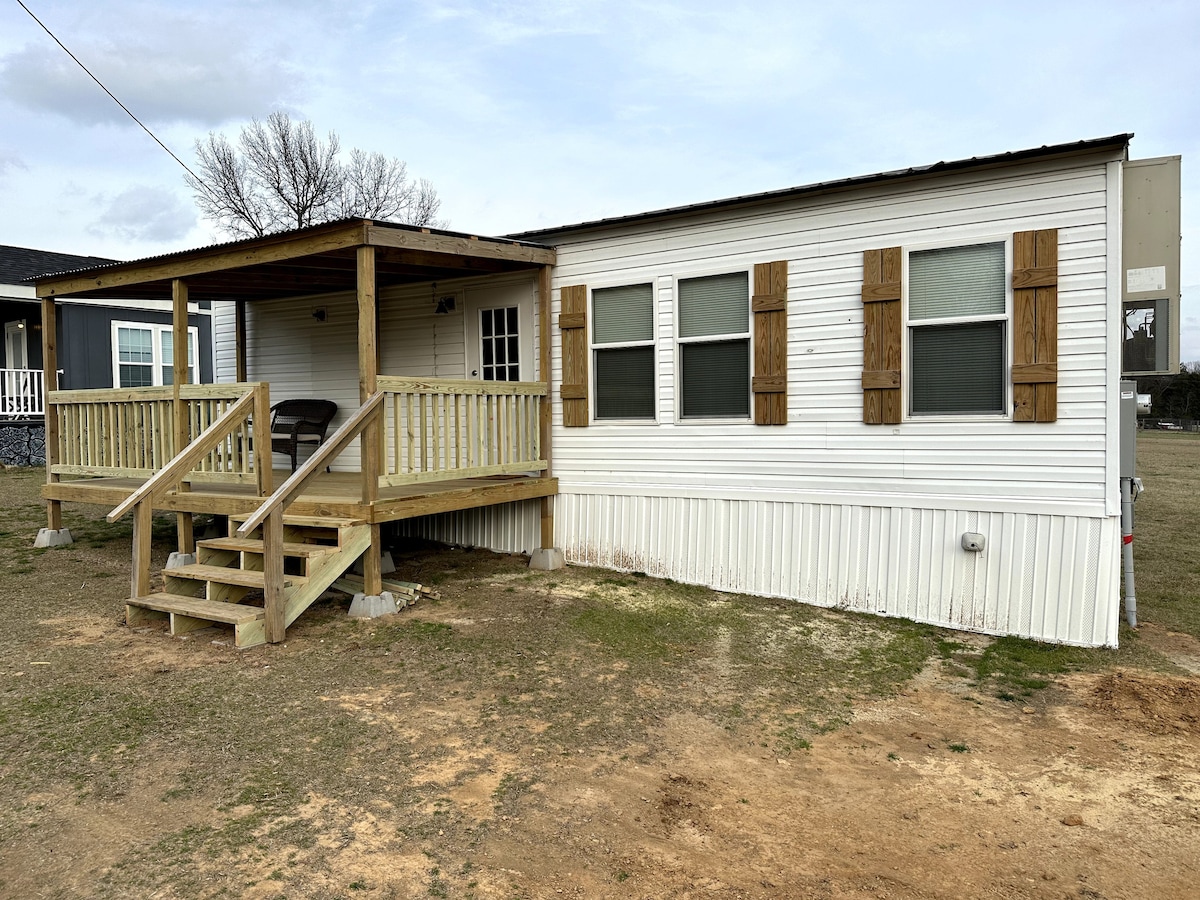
(546, 558)
(369, 450)
(143, 534)
(50, 367)
(239, 339)
(179, 344)
(274, 601)
(544, 416)
(262, 446)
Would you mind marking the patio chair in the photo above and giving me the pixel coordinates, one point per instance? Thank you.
(296, 422)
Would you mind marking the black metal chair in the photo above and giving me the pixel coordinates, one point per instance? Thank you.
(296, 422)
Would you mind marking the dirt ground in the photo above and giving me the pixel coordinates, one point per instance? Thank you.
(572, 734)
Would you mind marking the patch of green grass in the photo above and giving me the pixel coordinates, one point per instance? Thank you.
(959, 748)
(643, 633)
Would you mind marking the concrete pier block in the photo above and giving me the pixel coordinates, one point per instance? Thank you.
(177, 560)
(547, 560)
(370, 606)
(48, 537)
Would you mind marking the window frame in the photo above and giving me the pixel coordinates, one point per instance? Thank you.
(680, 342)
(1006, 318)
(594, 346)
(156, 366)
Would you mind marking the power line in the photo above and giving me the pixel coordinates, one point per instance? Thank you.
(153, 136)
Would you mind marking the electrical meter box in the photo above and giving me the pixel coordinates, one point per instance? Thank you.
(1129, 411)
(1150, 266)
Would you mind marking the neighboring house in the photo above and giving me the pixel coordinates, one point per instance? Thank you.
(896, 394)
(101, 344)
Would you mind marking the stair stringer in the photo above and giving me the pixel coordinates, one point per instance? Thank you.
(324, 570)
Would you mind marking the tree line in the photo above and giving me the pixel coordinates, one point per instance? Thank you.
(1174, 396)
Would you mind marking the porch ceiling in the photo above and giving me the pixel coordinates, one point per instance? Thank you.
(316, 260)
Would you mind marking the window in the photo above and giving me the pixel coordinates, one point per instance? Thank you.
(714, 346)
(499, 344)
(144, 355)
(957, 322)
(623, 350)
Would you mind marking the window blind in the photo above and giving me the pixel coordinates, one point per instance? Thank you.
(625, 383)
(958, 368)
(715, 304)
(623, 314)
(956, 281)
(716, 379)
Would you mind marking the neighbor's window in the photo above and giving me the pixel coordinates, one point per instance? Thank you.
(143, 355)
(623, 351)
(714, 346)
(957, 322)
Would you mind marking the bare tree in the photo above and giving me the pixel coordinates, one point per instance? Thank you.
(281, 176)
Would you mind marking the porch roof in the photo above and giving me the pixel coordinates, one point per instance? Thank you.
(316, 260)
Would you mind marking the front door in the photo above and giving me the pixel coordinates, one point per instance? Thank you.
(16, 351)
(499, 323)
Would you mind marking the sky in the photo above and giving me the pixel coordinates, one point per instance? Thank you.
(532, 114)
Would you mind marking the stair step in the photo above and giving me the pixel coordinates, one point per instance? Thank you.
(225, 575)
(252, 545)
(312, 521)
(199, 608)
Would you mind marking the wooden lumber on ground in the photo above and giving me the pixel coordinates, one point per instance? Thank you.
(410, 590)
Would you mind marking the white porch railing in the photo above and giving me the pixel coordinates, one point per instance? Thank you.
(22, 393)
(439, 429)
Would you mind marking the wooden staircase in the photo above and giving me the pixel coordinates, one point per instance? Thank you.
(225, 585)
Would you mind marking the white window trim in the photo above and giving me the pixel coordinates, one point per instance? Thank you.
(593, 346)
(156, 344)
(1007, 318)
(677, 351)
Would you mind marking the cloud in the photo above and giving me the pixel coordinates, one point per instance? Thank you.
(9, 161)
(186, 73)
(144, 213)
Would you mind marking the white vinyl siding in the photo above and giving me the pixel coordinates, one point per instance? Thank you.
(826, 509)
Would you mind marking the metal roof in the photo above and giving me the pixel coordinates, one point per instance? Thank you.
(1116, 140)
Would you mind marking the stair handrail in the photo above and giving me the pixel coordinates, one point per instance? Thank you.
(183, 461)
(324, 454)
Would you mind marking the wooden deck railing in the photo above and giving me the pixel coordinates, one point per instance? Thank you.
(130, 432)
(438, 429)
(22, 393)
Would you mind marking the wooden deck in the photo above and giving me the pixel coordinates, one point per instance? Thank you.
(329, 495)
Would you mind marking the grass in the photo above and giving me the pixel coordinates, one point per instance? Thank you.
(571, 665)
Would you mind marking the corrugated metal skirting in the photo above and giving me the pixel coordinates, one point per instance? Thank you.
(507, 528)
(1042, 576)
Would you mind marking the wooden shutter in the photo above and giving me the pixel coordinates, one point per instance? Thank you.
(1035, 326)
(769, 305)
(572, 322)
(883, 336)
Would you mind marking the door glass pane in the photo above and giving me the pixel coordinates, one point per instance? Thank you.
(499, 344)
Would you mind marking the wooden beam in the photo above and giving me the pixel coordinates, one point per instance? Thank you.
(208, 259)
(383, 236)
(274, 600)
(368, 371)
(239, 339)
(179, 349)
(50, 376)
(143, 528)
(544, 416)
